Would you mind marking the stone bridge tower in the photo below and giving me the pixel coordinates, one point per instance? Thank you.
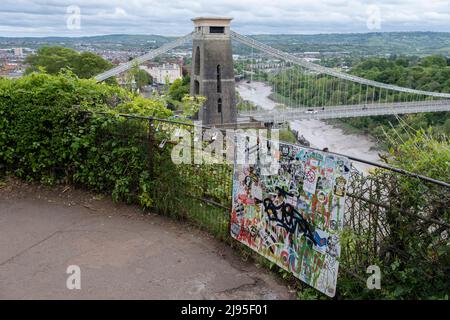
(212, 74)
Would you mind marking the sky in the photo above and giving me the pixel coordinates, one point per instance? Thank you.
(172, 17)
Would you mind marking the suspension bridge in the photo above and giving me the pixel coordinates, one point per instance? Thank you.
(303, 89)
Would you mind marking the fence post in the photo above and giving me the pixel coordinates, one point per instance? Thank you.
(151, 142)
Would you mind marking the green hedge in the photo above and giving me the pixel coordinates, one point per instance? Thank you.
(47, 135)
(60, 128)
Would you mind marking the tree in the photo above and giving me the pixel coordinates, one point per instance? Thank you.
(90, 64)
(53, 59)
(433, 61)
(142, 79)
(179, 88)
(136, 78)
(191, 105)
(422, 153)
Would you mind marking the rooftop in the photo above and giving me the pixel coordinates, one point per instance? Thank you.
(216, 21)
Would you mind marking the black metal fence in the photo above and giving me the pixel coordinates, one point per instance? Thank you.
(401, 223)
(198, 193)
(394, 219)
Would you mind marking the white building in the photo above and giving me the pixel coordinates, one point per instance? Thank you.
(165, 72)
(18, 52)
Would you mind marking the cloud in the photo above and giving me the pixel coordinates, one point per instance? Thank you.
(48, 17)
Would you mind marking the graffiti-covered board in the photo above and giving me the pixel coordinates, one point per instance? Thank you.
(293, 216)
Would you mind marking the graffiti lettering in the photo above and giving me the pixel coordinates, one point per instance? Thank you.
(291, 220)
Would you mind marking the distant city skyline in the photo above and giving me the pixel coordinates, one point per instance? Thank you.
(26, 18)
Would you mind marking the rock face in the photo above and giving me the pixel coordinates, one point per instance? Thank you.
(212, 74)
(301, 139)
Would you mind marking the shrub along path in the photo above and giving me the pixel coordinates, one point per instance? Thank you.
(122, 253)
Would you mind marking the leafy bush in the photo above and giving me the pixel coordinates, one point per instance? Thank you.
(180, 88)
(49, 134)
(59, 128)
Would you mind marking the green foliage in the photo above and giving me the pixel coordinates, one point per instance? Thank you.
(412, 257)
(144, 107)
(429, 73)
(286, 135)
(179, 88)
(433, 61)
(244, 105)
(143, 79)
(136, 79)
(51, 131)
(191, 105)
(49, 134)
(53, 59)
(422, 153)
(178, 96)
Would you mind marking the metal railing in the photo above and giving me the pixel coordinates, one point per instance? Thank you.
(349, 111)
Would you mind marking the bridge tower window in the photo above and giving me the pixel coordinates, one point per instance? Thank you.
(219, 79)
(196, 87)
(219, 105)
(197, 62)
(217, 30)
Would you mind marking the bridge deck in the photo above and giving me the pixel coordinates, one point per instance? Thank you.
(347, 111)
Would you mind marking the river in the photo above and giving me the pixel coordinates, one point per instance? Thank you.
(319, 133)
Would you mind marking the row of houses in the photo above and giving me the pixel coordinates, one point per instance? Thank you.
(163, 73)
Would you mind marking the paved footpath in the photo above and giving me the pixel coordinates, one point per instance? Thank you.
(122, 253)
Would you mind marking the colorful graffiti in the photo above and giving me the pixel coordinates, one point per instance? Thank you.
(293, 218)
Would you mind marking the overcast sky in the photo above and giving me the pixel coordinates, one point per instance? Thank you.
(172, 17)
